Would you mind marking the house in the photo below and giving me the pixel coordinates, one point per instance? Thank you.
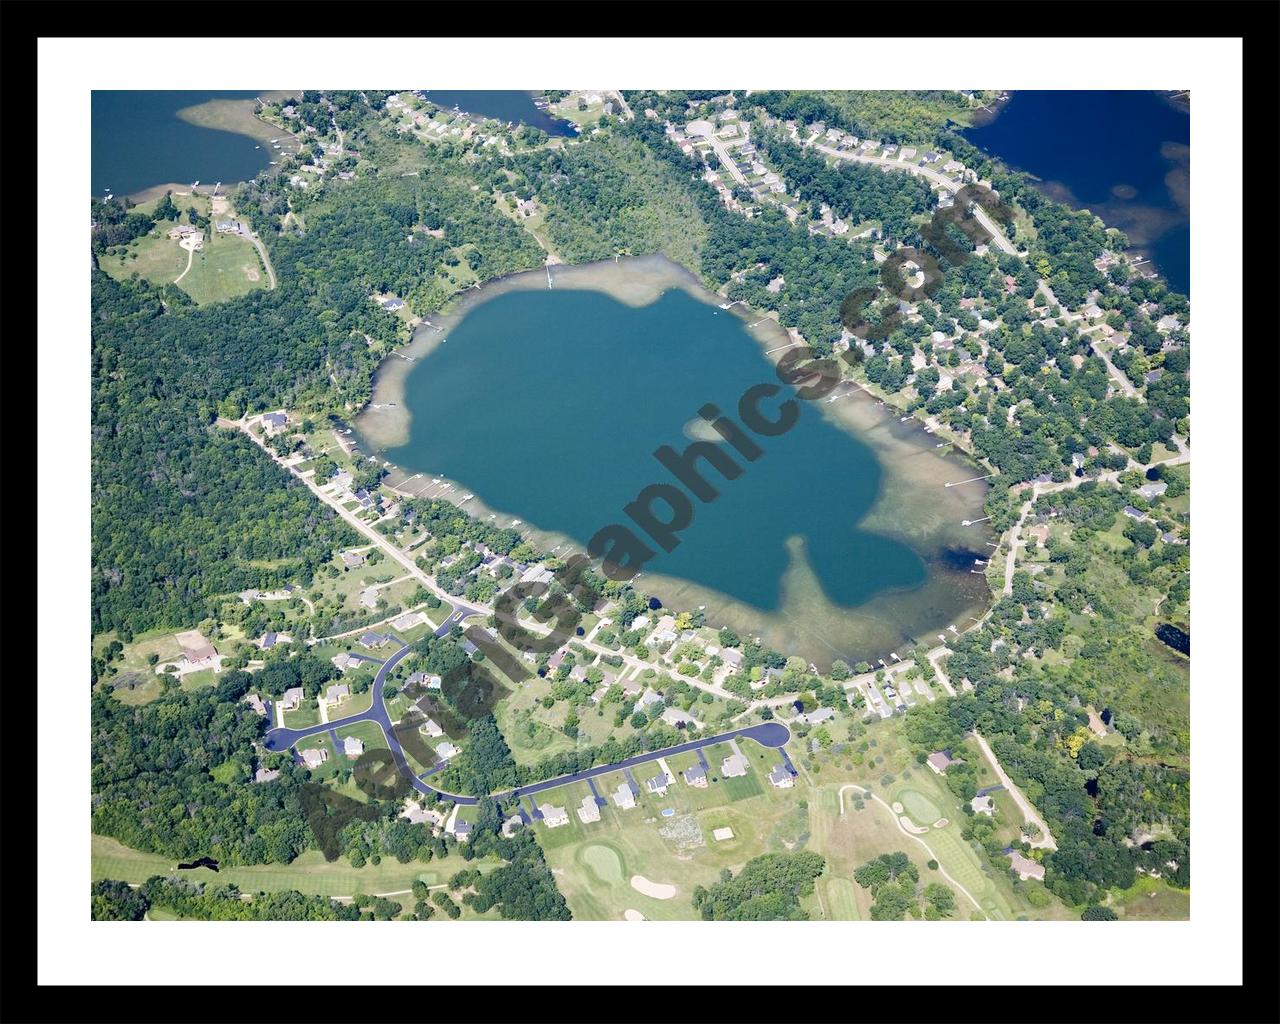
(255, 702)
(392, 304)
(816, 716)
(1025, 867)
(939, 761)
(372, 640)
(229, 227)
(624, 796)
(352, 559)
(352, 747)
(314, 757)
(1134, 513)
(1153, 490)
(1151, 376)
(695, 775)
(365, 499)
(268, 641)
(408, 620)
(554, 817)
(675, 718)
(430, 728)
(461, 830)
(344, 661)
(983, 805)
(418, 815)
(781, 777)
(537, 574)
(446, 750)
(658, 784)
(369, 598)
(588, 811)
(274, 421)
(266, 774)
(337, 693)
(1077, 461)
(733, 766)
(732, 658)
(195, 648)
(648, 699)
(292, 699)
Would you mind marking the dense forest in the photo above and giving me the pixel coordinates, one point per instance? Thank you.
(768, 888)
(855, 192)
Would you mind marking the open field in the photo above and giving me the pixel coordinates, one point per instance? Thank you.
(228, 266)
(310, 873)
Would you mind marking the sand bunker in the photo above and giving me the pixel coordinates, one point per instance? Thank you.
(633, 915)
(911, 826)
(654, 890)
(897, 807)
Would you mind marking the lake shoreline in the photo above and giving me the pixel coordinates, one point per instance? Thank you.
(908, 457)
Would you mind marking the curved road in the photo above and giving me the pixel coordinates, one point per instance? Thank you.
(767, 734)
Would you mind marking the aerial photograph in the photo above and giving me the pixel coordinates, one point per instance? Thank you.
(623, 505)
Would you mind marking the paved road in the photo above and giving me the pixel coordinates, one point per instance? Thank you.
(950, 184)
(767, 734)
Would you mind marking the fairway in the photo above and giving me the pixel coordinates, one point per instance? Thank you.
(839, 898)
(310, 873)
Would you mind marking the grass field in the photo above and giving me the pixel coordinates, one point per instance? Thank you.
(310, 873)
(228, 266)
(594, 862)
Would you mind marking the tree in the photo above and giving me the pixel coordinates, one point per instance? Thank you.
(1094, 912)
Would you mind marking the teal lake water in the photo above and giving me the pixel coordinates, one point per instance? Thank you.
(549, 405)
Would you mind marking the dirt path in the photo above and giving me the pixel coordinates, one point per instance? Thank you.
(1029, 813)
(932, 856)
(191, 255)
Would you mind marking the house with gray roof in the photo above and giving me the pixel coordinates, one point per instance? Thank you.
(695, 775)
(658, 784)
(781, 777)
(372, 640)
(266, 775)
(624, 797)
(352, 746)
(292, 699)
(733, 766)
(336, 693)
(314, 757)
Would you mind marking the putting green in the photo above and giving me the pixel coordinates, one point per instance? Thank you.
(920, 807)
(604, 863)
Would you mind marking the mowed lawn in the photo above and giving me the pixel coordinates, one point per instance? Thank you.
(594, 862)
(310, 873)
(227, 266)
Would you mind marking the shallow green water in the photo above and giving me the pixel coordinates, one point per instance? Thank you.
(550, 404)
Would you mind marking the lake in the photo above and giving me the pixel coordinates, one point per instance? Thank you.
(1125, 155)
(504, 105)
(839, 540)
(139, 141)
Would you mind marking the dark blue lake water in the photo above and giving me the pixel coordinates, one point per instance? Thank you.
(505, 105)
(1125, 155)
(139, 141)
